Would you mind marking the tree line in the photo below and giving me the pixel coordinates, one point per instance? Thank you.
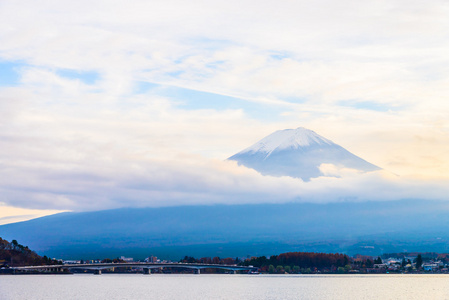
(300, 262)
(210, 260)
(14, 254)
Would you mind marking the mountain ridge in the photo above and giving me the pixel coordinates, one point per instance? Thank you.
(239, 230)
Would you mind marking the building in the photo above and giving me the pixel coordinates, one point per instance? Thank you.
(151, 259)
(127, 259)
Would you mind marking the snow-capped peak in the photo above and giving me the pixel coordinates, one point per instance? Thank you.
(298, 153)
(288, 139)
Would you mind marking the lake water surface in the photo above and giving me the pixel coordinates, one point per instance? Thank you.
(229, 286)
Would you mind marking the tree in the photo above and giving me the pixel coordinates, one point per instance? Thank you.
(271, 269)
(287, 269)
(369, 263)
(279, 269)
(295, 269)
(348, 268)
(418, 262)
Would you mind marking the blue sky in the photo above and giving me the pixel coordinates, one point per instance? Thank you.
(95, 95)
(9, 73)
(87, 77)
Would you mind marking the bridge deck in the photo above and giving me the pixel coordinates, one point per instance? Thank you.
(104, 266)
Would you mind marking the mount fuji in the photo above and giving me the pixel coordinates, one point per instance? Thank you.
(369, 228)
(298, 153)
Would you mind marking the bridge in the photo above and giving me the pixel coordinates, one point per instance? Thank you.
(146, 267)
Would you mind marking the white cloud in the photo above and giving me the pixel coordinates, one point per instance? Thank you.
(105, 183)
(371, 76)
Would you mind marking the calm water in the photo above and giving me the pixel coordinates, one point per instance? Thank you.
(155, 286)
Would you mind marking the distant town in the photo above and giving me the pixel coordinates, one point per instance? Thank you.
(14, 258)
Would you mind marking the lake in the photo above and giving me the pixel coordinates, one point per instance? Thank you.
(228, 286)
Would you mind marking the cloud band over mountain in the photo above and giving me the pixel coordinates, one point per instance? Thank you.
(155, 183)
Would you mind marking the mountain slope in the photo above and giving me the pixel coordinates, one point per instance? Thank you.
(298, 153)
(239, 230)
